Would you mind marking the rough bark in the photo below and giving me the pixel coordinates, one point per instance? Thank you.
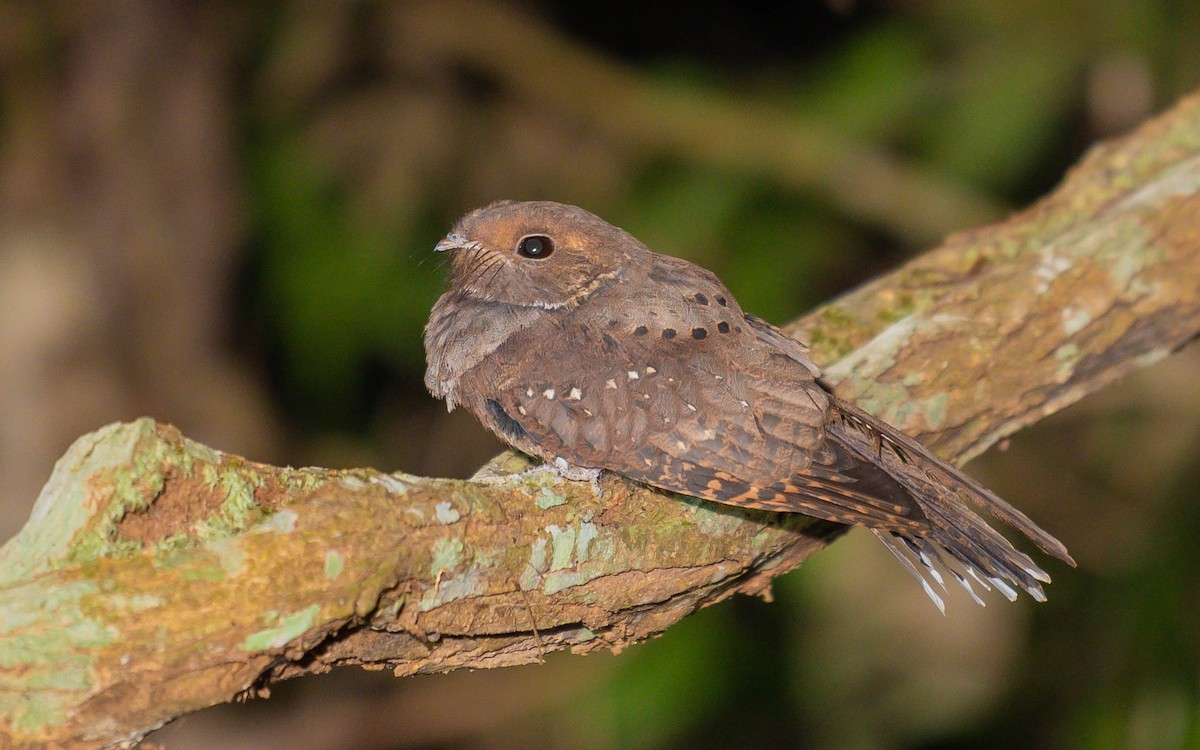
(157, 576)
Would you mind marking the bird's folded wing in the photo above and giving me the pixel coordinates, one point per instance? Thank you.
(747, 430)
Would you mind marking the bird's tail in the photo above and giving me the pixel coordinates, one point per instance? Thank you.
(977, 553)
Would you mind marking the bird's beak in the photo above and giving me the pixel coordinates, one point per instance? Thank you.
(452, 241)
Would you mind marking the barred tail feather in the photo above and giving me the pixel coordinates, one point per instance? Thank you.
(979, 550)
(961, 485)
(957, 541)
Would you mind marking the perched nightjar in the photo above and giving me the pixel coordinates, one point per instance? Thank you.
(574, 343)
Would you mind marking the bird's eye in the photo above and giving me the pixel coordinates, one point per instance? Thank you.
(535, 246)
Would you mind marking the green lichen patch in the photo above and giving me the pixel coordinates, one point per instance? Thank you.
(833, 336)
(452, 588)
(581, 551)
(1075, 319)
(899, 306)
(65, 507)
(879, 354)
(190, 564)
(237, 511)
(548, 498)
(286, 629)
(587, 533)
(48, 667)
(335, 563)
(283, 522)
(447, 555)
(445, 513)
(562, 546)
(933, 410)
(531, 573)
(451, 580)
(1067, 352)
(230, 555)
(164, 492)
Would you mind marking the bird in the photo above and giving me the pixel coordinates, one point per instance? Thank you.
(576, 344)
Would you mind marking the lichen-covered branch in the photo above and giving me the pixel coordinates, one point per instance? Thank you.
(1004, 325)
(157, 576)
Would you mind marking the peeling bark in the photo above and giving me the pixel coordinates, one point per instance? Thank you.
(157, 576)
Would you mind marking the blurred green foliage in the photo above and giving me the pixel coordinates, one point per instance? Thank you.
(337, 294)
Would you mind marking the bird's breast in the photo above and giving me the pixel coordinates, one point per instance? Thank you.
(462, 334)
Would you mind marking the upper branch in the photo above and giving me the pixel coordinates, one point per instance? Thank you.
(157, 576)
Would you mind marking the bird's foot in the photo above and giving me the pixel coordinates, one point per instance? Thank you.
(566, 470)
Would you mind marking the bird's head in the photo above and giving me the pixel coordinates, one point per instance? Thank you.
(535, 254)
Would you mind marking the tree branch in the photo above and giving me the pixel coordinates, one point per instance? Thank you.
(157, 576)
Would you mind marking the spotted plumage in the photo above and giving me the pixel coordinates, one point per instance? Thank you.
(576, 344)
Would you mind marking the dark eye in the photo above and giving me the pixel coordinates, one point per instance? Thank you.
(535, 246)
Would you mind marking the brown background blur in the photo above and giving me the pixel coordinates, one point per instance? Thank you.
(220, 215)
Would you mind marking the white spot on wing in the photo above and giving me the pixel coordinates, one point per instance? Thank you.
(549, 393)
(633, 375)
(611, 384)
(575, 394)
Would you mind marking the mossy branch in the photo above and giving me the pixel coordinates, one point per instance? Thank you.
(157, 576)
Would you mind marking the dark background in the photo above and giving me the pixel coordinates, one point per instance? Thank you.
(221, 215)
